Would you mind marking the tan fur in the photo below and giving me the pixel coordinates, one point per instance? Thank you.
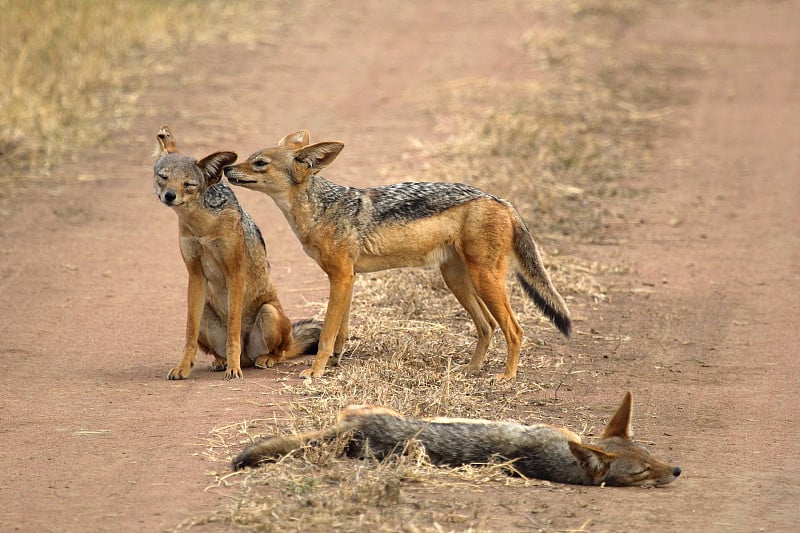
(341, 228)
(231, 299)
(538, 451)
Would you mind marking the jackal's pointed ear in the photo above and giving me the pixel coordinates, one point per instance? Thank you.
(213, 164)
(620, 424)
(594, 461)
(166, 142)
(318, 156)
(296, 140)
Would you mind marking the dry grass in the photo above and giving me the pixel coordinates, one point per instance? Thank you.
(563, 143)
(72, 70)
(560, 146)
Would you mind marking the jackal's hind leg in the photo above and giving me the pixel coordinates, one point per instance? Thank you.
(267, 342)
(457, 279)
(490, 285)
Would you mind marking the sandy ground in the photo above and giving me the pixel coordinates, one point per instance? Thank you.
(92, 285)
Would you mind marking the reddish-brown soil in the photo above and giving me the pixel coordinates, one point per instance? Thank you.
(92, 285)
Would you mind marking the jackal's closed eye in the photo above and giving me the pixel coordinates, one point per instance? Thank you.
(260, 163)
(189, 184)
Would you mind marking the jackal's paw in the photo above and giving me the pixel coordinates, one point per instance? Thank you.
(334, 359)
(219, 364)
(179, 373)
(509, 378)
(265, 361)
(467, 369)
(233, 373)
(309, 373)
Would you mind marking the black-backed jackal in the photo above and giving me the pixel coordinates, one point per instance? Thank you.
(233, 308)
(470, 234)
(536, 451)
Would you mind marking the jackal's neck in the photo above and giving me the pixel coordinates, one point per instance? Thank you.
(326, 193)
(199, 219)
(195, 220)
(563, 467)
(543, 452)
(306, 203)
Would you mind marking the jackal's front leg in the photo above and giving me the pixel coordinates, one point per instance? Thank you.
(233, 345)
(332, 337)
(344, 331)
(196, 296)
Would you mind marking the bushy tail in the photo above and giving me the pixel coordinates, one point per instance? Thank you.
(349, 422)
(267, 450)
(535, 281)
(305, 333)
(273, 448)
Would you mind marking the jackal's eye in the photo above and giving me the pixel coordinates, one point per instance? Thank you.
(162, 177)
(189, 185)
(260, 163)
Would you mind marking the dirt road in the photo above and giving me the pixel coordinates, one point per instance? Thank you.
(92, 285)
(719, 242)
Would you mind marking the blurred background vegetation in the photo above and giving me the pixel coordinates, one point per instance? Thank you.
(69, 67)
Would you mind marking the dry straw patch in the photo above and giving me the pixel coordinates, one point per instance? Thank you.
(559, 146)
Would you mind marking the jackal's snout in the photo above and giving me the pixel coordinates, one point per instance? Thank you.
(235, 176)
(168, 197)
(230, 172)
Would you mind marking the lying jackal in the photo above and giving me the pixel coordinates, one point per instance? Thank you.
(346, 230)
(539, 451)
(231, 299)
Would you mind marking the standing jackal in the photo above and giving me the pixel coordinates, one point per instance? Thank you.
(233, 308)
(537, 451)
(347, 230)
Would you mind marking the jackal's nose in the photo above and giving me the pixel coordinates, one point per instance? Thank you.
(170, 196)
(226, 170)
(676, 471)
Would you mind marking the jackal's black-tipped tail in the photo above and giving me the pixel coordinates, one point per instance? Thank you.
(556, 316)
(535, 281)
(306, 335)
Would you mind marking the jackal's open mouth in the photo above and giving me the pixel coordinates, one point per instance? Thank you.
(237, 180)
